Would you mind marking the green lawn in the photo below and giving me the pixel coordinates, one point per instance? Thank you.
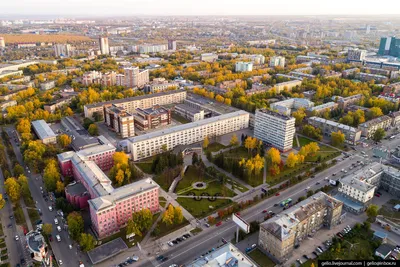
(261, 259)
(179, 118)
(19, 215)
(238, 186)
(145, 166)
(214, 147)
(237, 153)
(3, 245)
(202, 208)
(33, 215)
(1, 230)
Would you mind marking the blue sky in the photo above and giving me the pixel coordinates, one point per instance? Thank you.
(198, 7)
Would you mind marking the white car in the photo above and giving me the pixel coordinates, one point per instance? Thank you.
(70, 246)
(135, 258)
(170, 244)
(55, 221)
(60, 262)
(16, 238)
(58, 238)
(50, 208)
(58, 228)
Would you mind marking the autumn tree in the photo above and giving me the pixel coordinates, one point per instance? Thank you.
(2, 202)
(312, 132)
(178, 216)
(93, 130)
(119, 177)
(250, 143)
(24, 128)
(120, 158)
(206, 142)
(234, 140)
(75, 224)
(291, 160)
(47, 229)
(372, 211)
(374, 112)
(51, 175)
(378, 135)
(23, 183)
(273, 156)
(60, 187)
(337, 138)
(13, 189)
(64, 140)
(299, 115)
(87, 242)
(18, 170)
(33, 154)
(313, 148)
(168, 216)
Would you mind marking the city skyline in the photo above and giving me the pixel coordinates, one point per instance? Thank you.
(179, 7)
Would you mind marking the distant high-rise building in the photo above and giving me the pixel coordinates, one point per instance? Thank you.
(368, 29)
(2, 43)
(243, 66)
(172, 45)
(277, 61)
(62, 50)
(104, 48)
(389, 46)
(356, 54)
(135, 78)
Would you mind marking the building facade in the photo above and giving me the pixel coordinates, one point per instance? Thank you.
(285, 107)
(44, 132)
(151, 118)
(368, 128)
(275, 129)
(389, 46)
(352, 135)
(279, 235)
(147, 145)
(119, 121)
(322, 108)
(243, 66)
(208, 57)
(279, 87)
(135, 78)
(344, 101)
(190, 113)
(277, 62)
(104, 47)
(132, 103)
(356, 54)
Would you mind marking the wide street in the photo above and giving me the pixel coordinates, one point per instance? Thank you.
(61, 250)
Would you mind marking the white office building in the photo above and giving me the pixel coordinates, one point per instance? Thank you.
(275, 129)
(277, 62)
(243, 66)
(104, 48)
(147, 145)
(285, 107)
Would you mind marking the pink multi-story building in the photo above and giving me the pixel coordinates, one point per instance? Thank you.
(110, 209)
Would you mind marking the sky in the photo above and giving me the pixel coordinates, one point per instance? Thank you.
(199, 7)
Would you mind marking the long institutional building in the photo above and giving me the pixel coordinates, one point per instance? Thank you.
(132, 103)
(275, 129)
(110, 208)
(147, 145)
(279, 235)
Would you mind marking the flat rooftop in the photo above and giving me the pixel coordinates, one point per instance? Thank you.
(375, 121)
(334, 124)
(35, 241)
(186, 126)
(107, 250)
(226, 256)
(275, 114)
(42, 129)
(135, 98)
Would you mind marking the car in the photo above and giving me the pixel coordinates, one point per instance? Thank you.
(159, 258)
(173, 265)
(170, 244)
(308, 188)
(238, 213)
(129, 260)
(50, 208)
(223, 240)
(135, 258)
(277, 194)
(184, 238)
(22, 261)
(276, 205)
(326, 178)
(306, 257)
(333, 174)
(58, 238)
(59, 228)
(55, 221)
(46, 199)
(164, 259)
(320, 248)
(9, 226)
(174, 242)
(218, 223)
(16, 237)
(179, 239)
(264, 211)
(70, 246)
(186, 235)
(40, 212)
(60, 262)
(207, 225)
(317, 183)
(11, 217)
(377, 195)
(315, 253)
(299, 261)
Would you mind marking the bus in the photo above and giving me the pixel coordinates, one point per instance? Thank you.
(286, 202)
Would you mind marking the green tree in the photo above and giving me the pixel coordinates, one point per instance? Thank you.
(372, 211)
(195, 158)
(60, 187)
(47, 228)
(18, 170)
(133, 228)
(13, 189)
(93, 129)
(51, 175)
(143, 219)
(75, 224)
(337, 138)
(87, 242)
(378, 135)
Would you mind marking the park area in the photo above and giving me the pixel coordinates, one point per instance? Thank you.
(202, 199)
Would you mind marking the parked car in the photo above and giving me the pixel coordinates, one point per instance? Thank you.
(59, 228)
(58, 238)
(186, 235)
(50, 208)
(55, 221)
(159, 258)
(218, 223)
(135, 258)
(306, 257)
(277, 194)
(264, 211)
(9, 226)
(16, 237)
(207, 225)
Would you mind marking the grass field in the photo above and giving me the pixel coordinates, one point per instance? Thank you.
(162, 201)
(214, 147)
(261, 259)
(237, 153)
(202, 208)
(36, 38)
(145, 166)
(167, 229)
(179, 118)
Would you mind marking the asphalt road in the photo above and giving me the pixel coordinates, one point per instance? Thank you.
(186, 251)
(61, 251)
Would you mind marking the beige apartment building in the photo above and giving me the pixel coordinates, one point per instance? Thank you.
(119, 121)
(368, 128)
(280, 234)
(132, 103)
(144, 146)
(135, 78)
